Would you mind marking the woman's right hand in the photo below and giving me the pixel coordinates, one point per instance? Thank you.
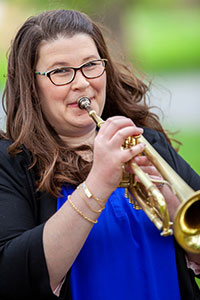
(109, 157)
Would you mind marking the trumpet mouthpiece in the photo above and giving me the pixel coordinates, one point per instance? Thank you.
(83, 102)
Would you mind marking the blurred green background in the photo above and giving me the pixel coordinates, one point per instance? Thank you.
(160, 37)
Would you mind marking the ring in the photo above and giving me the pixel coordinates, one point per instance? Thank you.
(160, 185)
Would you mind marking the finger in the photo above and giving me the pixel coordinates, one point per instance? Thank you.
(114, 124)
(142, 160)
(128, 154)
(151, 170)
(156, 178)
(121, 135)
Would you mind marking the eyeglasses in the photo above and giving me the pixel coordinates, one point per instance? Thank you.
(62, 76)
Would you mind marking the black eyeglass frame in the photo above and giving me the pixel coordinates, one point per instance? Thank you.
(48, 73)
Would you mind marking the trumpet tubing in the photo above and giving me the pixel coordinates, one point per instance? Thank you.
(187, 219)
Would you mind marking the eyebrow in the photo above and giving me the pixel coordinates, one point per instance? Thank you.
(57, 65)
(65, 64)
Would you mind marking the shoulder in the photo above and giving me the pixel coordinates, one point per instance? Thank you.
(4, 144)
(15, 170)
(170, 155)
(19, 179)
(161, 145)
(158, 141)
(154, 136)
(17, 161)
(5, 157)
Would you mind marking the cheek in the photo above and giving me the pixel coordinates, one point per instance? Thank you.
(50, 100)
(51, 94)
(102, 94)
(101, 84)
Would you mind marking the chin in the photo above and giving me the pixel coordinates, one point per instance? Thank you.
(82, 121)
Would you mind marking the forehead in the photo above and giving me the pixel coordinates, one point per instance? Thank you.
(68, 50)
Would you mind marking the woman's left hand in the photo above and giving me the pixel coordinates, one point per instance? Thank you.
(171, 200)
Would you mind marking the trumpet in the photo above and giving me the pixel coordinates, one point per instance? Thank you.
(186, 227)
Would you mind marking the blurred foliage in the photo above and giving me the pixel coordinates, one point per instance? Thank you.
(88, 6)
(164, 40)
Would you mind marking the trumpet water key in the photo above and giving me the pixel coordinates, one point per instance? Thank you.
(150, 199)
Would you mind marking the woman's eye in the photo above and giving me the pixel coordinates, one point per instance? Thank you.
(91, 64)
(62, 71)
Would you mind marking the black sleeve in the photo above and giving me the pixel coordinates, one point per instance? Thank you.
(23, 270)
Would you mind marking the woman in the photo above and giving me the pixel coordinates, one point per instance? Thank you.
(67, 231)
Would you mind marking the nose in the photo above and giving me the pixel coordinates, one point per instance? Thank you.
(80, 81)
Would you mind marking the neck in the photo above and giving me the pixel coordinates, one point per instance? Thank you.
(86, 138)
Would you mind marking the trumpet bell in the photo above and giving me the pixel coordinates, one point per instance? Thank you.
(187, 224)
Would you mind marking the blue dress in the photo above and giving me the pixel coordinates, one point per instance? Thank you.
(124, 257)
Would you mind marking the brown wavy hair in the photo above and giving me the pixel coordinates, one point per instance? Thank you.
(56, 162)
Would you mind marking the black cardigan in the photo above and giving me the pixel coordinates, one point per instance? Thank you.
(23, 212)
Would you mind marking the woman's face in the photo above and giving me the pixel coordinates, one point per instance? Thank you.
(59, 103)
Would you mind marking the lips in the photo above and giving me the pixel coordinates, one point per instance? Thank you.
(75, 104)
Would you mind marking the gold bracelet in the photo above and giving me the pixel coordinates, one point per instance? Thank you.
(90, 195)
(92, 209)
(80, 212)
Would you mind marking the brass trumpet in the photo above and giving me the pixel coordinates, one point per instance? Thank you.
(187, 219)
